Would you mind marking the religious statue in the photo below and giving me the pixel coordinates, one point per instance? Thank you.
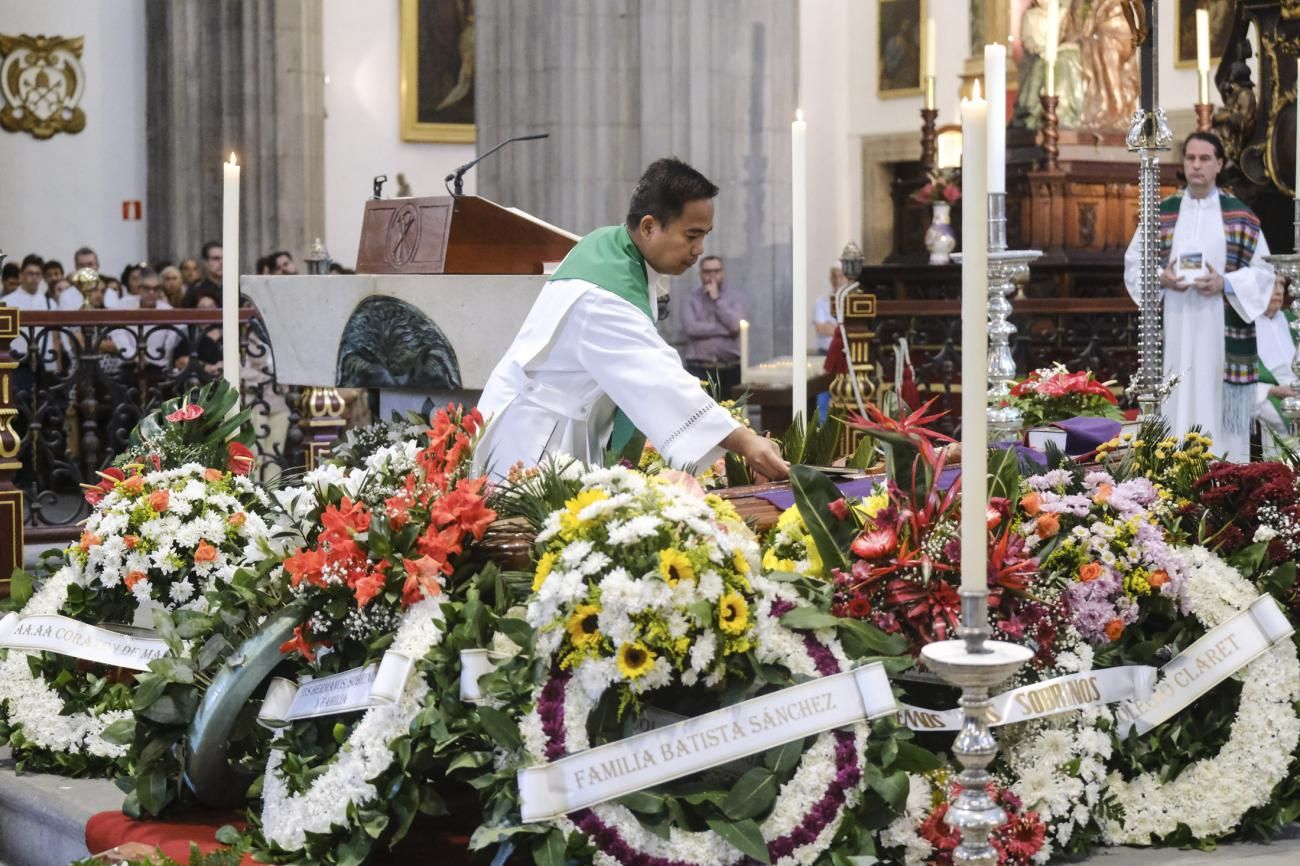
(1033, 69)
(1109, 33)
(1234, 123)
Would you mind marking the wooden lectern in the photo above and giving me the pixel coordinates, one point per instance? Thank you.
(464, 235)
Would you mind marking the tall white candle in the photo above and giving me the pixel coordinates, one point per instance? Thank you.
(230, 274)
(799, 254)
(995, 82)
(975, 135)
(1297, 141)
(1053, 34)
(930, 52)
(744, 351)
(1203, 55)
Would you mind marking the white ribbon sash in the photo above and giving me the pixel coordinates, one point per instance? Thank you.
(654, 757)
(474, 663)
(344, 692)
(59, 634)
(1059, 695)
(1222, 652)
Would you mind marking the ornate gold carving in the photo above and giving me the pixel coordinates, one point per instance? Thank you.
(42, 80)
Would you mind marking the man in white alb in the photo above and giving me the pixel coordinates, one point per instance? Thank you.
(1216, 283)
(588, 369)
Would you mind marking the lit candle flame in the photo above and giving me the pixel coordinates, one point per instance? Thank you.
(798, 115)
(232, 158)
(975, 94)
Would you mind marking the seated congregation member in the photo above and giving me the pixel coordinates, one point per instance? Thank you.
(173, 287)
(1273, 337)
(588, 368)
(162, 345)
(9, 279)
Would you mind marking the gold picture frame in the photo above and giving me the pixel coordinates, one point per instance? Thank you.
(436, 35)
(1185, 31)
(900, 43)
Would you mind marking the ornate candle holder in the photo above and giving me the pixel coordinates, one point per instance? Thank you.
(1289, 267)
(1005, 269)
(1051, 132)
(929, 138)
(1204, 116)
(1149, 134)
(976, 665)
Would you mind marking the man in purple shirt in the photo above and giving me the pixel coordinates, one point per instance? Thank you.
(713, 314)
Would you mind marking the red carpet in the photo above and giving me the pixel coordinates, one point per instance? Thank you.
(110, 829)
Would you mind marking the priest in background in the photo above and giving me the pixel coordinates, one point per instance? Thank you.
(1276, 381)
(1216, 283)
(588, 369)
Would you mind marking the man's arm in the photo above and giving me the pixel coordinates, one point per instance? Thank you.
(729, 309)
(1249, 289)
(702, 319)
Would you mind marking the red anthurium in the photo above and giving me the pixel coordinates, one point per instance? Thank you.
(188, 412)
(239, 460)
(109, 479)
(840, 509)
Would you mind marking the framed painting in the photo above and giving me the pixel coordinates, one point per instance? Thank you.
(1185, 30)
(899, 34)
(437, 73)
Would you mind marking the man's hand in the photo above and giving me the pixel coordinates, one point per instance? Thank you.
(1169, 279)
(763, 455)
(1211, 283)
(1283, 391)
(711, 289)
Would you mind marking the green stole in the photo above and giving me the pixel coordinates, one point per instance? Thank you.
(1266, 375)
(608, 258)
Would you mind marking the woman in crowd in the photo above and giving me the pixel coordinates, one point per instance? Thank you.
(173, 285)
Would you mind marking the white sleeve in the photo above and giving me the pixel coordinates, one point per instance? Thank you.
(1133, 268)
(620, 348)
(1252, 286)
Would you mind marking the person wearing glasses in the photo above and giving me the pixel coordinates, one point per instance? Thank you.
(713, 314)
(588, 368)
(213, 268)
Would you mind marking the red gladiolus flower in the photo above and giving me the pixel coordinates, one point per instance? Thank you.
(344, 520)
(840, 509)
(875, 543)
(188, 412)
(465, 508)
(305, 565)
(370, 584)
(239, 460)
(423, 579)
(300, 642)
(440, 545)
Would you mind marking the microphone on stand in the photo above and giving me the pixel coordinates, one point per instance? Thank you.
(457, 177)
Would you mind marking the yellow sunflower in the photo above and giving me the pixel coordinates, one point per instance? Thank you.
(544, 566)
(635, 659)
(738, 559)
(733, 613)
(569, 521)
(675, 566)
(583, 626)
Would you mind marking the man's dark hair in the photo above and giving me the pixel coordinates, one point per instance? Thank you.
(84, 251)
(128, 270)
(209, 247)
(52, 263)
(265, 264)
(146, 273)
(33, 259)
(11, 271)
(664, 189)
(710, 258)
(275, 256)
(1210, 139)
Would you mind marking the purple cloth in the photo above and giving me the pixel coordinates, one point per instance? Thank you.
(1024, 452)
(1088, 433)
(713, 327)
(857, 487)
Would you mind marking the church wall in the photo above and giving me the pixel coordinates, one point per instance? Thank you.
(67, 191)
(363, 121)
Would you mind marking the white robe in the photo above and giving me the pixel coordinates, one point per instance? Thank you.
(1276, 351)
(1193, 323)
(581, 353)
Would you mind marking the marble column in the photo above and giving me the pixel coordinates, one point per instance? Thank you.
(241, 75)
(620, 83)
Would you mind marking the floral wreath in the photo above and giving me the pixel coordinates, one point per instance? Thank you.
(288, 816)
(38, 709)
(810, 806)
(173, 540)
(1258, 752)
(642, 585)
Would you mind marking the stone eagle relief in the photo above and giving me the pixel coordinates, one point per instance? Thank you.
(388, 343)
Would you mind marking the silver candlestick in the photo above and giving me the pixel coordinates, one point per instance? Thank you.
(976, 665)
(1289, 267)
(1006, 268)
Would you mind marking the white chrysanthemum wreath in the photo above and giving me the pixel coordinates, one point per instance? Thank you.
(288, 817)
(809, 807)
(39, 709)
(1262, 739)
